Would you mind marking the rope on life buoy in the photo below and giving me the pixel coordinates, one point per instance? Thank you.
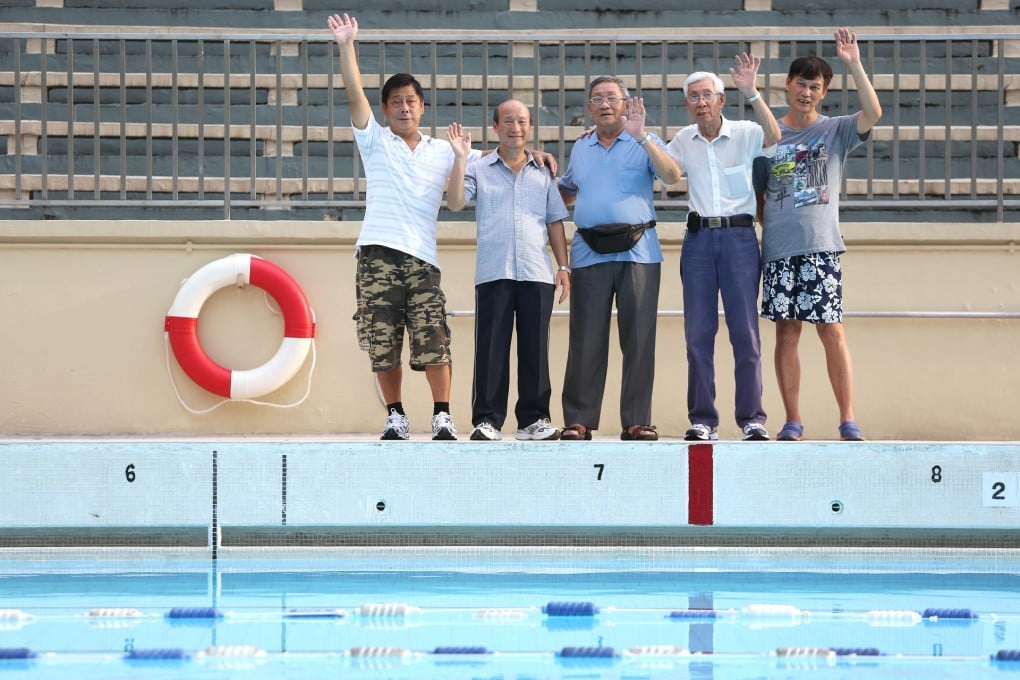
(181, 332)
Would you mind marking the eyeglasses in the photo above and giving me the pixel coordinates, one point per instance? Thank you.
(708, 97)
(599, 101)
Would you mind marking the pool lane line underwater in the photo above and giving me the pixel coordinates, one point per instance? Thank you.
(16, 618)
(554, 609)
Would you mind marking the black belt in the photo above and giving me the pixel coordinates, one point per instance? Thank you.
(696, 222)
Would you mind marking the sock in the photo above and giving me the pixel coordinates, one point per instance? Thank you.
(397, 406)
(441, 406)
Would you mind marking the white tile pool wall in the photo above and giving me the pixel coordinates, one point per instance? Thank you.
(222, 486)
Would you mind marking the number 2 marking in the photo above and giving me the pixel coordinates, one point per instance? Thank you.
(999, 491)
(600, 467)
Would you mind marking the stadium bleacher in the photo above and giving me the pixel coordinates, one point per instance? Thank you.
(94, 116)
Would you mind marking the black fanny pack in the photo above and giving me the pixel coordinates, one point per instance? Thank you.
(614, 238)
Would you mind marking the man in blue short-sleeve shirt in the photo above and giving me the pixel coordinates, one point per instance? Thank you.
(610, 180)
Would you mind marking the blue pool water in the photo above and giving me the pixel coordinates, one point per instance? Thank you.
(539, 613)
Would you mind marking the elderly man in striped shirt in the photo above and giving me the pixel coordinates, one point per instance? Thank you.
(519, 213)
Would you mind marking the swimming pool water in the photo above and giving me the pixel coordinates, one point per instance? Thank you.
(649, 613)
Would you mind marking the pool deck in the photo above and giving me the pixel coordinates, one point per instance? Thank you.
(354, 490)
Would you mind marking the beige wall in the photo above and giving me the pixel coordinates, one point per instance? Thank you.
(83, 351)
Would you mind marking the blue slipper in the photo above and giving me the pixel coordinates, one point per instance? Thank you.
(791, 432)
(849, 432)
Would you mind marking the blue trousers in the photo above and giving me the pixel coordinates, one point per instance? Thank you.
(727, 261)
(497, 305)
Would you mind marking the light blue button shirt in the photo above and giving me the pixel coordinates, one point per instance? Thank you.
(612, 185)
(513, 211)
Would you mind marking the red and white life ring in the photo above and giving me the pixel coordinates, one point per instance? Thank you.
(181, 327)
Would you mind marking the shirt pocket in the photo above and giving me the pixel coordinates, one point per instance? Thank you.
(634, 180)
(736, 182)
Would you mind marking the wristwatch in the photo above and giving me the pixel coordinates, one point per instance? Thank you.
(564, 268)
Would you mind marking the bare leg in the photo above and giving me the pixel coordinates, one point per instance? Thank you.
(389, 384)
(839, 366)
(439, 377)
(787, 361)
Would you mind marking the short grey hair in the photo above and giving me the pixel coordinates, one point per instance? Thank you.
(608, 79)
(701, 75)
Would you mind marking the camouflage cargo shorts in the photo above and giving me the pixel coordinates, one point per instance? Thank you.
(395, 290)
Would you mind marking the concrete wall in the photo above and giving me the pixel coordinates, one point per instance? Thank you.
(83, 351)
(259, 488)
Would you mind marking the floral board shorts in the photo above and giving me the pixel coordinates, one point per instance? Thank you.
(803, 288)
(396, 290)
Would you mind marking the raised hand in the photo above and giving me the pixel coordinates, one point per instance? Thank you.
(345, 28)
(746, 73)
(847, 48)
(460, 140)
(634, 120)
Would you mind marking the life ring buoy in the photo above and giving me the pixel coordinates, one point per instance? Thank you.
(181, 327)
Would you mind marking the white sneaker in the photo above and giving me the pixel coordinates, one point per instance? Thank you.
(540, 430)
(442, 427)
(397, 427)
(755, 432)
(701, 433)
(485, 432)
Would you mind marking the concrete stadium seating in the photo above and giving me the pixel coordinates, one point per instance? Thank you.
(170, 111)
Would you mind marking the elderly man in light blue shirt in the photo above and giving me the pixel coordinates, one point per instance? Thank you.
(519, 213)
(615, 254)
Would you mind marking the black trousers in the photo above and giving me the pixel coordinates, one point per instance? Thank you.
(499, 307)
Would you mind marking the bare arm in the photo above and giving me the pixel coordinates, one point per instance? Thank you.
(744, 77)
(850, 54)
(569, 199)
(665, 167)
(345, 30)
(558, 241)
(461, 143)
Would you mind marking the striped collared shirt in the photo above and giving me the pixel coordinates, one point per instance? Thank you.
(513, 212)
(405, 190)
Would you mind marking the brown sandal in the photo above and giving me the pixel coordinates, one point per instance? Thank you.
(575, 433)
(643, 433)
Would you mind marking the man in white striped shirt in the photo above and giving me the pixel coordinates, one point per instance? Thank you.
(398, 279)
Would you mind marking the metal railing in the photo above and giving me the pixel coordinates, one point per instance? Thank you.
(259, 121)
(859, 314)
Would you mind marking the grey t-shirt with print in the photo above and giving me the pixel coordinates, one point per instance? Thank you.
(804, 179)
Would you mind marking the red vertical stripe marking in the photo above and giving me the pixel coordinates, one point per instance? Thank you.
(699, 484)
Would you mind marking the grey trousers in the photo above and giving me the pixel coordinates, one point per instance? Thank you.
(635, 288)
